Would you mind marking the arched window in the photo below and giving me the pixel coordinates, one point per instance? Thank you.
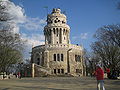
(61, 57)
(58, 57)
(64, 38)
(54, 57)
(62, 22)
(58, 70)
(54, 71)
(77, 58)
(54, 30)
(50, 31)
(55, 21)
(62, 71)
(64, 31)
(38, 61)
(57, 30)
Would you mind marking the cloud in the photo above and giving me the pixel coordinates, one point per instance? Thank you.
(75, 37)
(18, 19)
(83, 35)
(34, 39)
(14, 15)
(33, 23)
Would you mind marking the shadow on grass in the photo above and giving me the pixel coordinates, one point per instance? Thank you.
(5, 89)
(116, 82)
(38, 87)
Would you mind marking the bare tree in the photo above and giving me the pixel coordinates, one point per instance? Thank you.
(107, 46)
(11, 44)
(90, 62)
(10, 49)
(118, 6)
(111, 32)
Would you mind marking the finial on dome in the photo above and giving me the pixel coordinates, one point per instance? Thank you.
(56, 10)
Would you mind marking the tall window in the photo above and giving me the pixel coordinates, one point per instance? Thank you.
(38, 61)
(64, 38)
(62, 71)
(54, 57)
(54, 30)
(58, 57)
(58, 70)
(61, 57)
(54, 71)
(77, 58)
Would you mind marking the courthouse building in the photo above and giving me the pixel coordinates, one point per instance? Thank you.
(58, 55)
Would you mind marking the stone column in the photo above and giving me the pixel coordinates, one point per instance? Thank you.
(45, 40)
(45, 36)
(68, 37)
(70, 61)
(52, 37)
(62, 35)
(33, 70)
(46, 58)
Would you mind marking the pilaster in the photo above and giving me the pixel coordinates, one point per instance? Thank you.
(52, 37)
(46, 58)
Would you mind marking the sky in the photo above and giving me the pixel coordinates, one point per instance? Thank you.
(83, 16)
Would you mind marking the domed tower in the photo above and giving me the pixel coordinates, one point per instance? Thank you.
(58, 56)
(56, 31)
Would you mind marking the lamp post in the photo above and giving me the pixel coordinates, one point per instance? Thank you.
(20, 70)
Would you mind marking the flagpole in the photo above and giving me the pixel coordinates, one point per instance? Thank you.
(46, 7)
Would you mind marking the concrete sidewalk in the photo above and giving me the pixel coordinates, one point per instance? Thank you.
(56, 83)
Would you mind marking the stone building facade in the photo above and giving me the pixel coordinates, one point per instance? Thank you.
(58, 55)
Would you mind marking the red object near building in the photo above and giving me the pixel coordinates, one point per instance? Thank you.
(107, 70)
(99, 73)
(19, 75)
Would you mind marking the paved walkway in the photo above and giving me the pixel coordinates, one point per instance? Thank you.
(56, 83)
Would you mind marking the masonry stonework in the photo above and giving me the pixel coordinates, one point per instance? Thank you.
(58, 55)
